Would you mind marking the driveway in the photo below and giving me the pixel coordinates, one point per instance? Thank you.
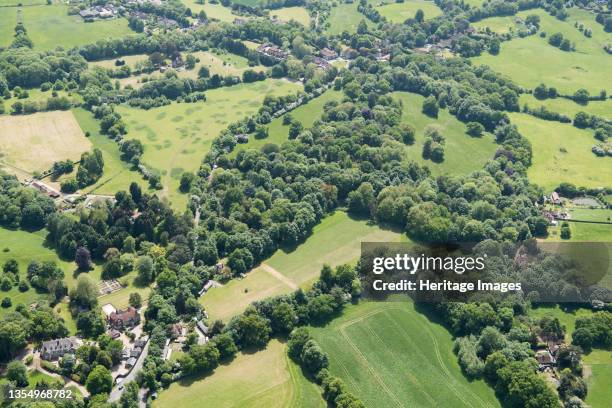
(116, 392)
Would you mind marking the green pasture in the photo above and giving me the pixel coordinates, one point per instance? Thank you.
(130, 61)
(177, 136)
(299, 14)
(335, 241)
(390, 355)
(568, 107)
(344, 17)
(562, 153)
(213, 11)
(305, 114)
(51, 26)
(498, 25)
(259, 379)
(36, 95)
(594, 214)
(531, 60)
(8, 21)
(399, 12)
(462, 154)
(118, 174)
(250, 3)
(599, 371)
(583, 232)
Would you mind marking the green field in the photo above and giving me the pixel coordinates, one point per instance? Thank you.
(306, 114)
(498, 25)
(51, 26)
(213, 11)
(568, 107)
(130, 61)
(399, 12)
(117, 173)
(583, 232)
(299, 14)
(267, 378)
(592, 214)
(459, 145)
(389, 355)
(335, 241)
(177, 136)
(344, 17)
(8, 20)
(26, 247)
(562, 153)
(531, 60)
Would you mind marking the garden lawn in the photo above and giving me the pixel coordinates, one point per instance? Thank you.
(399, 12)
(51, 26)
(121, 298)
(213, 11)
(462, 153)
(25, 247)
(34, 142)
(598, 365)
(306, 114)
(118, 174)
(390, 355)
(568, 107)
(177, 136)
(263, 379)
(299, 14)
(562, 153)
(335, 241)
(531, 60)
(344, 17)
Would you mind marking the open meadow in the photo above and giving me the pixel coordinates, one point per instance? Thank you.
(562, 153)
(459, 145)
(50, 26)
(344, 17)
(259, 379)
(8, 20)
(177, 136)
(298, 14)
(335, 241)
(568, 107)
(213, 11)
(305, 114)
(390, 355)
(400, 12)
(531, 60)
(34, 142)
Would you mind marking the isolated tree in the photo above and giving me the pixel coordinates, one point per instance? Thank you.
(430, 106)
(135, 300)
(419, 16)
(11, 266)
(82, 257)
(86, 291)
(475, 129)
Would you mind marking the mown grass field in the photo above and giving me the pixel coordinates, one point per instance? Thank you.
(462, 154)
(568, 107)
(531, 60)
(399, 12)
(562, 153)
(130, 61)
(305, 114)
(118, 175)
(34, 142)
(299, 14)
(266, 378)
(220, 63)
(498, 25)
(177, 136)
(594, 214)
(335, 241)
(25, 247)
(8, 20)
(213, 11)
(390, 355)
(51, 26)
(344, 17)
(582, 232)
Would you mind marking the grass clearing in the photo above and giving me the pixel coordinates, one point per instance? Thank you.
(306, 114)
(49, 137)
(298, 14)
(118, 175)
(568, 107)
(335, 241)
(242, 383)
(459, 145)
(177, 136)
(224, 64)
(499, 25)
(51, 26)
(399, 12)
(213, 11)
(562, 153)
(344, 17)
(531, 60)
(130, 61)
(388, 354)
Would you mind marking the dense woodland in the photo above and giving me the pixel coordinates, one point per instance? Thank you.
(255, 201)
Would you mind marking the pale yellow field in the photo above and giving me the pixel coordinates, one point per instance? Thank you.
(34, 142)
(299, 14)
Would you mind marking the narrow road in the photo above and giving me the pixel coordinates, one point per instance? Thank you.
(116, 392)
